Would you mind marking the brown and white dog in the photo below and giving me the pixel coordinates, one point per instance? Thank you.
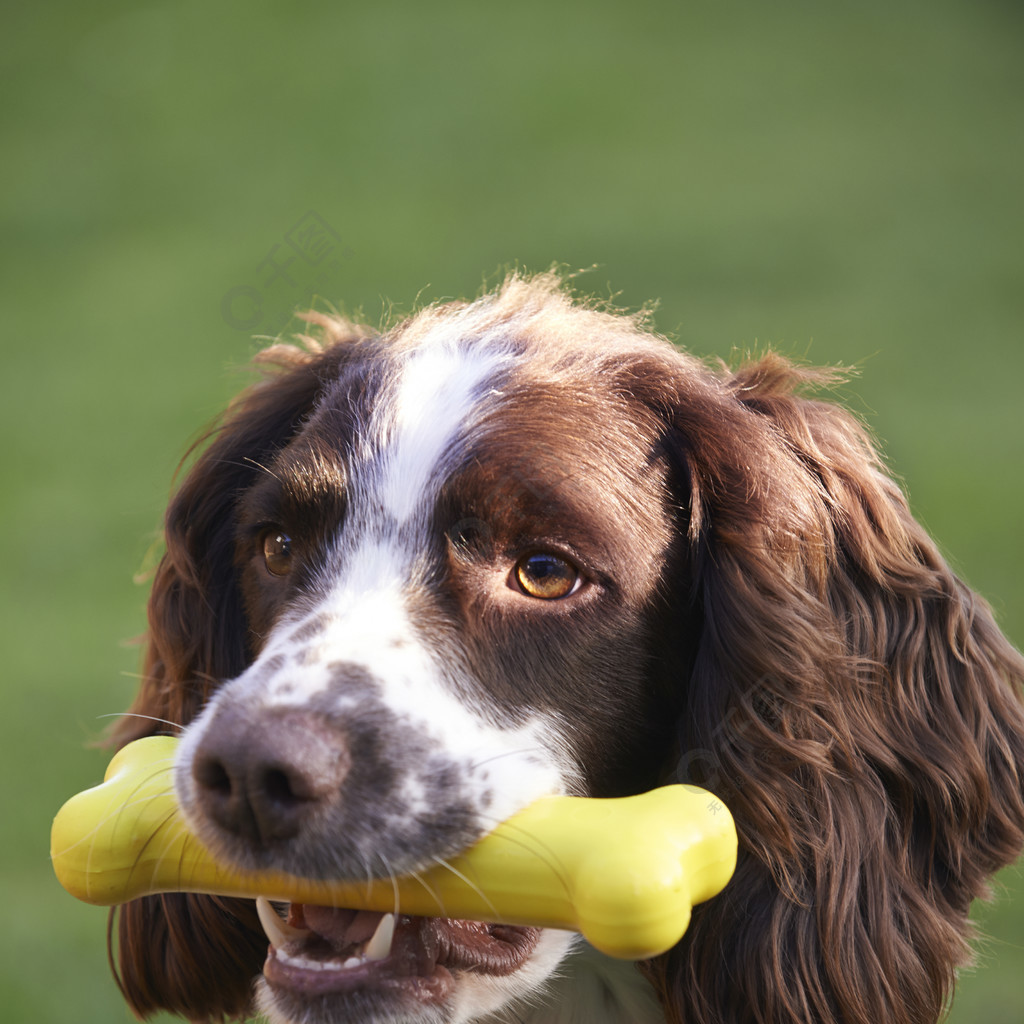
(523, 546)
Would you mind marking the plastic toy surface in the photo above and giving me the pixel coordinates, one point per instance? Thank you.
(624, 872)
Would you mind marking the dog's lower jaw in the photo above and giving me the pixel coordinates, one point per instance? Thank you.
(412, 990)
(564, 981)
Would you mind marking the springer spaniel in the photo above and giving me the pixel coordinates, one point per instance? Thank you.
(522, 546)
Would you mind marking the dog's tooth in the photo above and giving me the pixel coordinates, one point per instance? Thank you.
(277, 931)
(379, 945)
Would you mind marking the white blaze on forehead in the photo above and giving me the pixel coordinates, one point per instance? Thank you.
(440, 385)
(396, 473)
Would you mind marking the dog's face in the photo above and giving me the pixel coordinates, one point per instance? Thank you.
(522, 546)
(451, 575)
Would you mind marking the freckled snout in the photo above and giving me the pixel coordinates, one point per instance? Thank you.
(263, 778)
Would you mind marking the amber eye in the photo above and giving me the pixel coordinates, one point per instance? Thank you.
(277, 552)
(546, 576)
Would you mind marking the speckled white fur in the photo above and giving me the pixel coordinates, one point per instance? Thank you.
(362, 619)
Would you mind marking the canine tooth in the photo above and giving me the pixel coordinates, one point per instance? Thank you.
(353, 961)
(379, 945)
(277, 931)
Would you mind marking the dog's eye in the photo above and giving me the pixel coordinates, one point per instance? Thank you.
(546, 576)
(277, 552)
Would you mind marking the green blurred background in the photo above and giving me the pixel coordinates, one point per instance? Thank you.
(843, 181)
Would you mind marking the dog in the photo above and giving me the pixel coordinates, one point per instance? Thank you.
(417, 579)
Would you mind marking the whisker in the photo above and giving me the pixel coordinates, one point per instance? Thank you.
(472, 885)
(529, 842)
(124, 805)
(170, 839)
(433, 894)
(391, 876)
(505, 753)
(135, 714)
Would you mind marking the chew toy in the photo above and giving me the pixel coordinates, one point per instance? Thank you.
(625, 872)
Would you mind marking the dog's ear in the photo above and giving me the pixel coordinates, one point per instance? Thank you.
(197, 636)
(853, 703)
(196, 955)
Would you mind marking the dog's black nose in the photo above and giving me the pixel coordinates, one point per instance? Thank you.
(262, 778)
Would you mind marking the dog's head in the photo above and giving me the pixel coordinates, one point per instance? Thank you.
(522, 546)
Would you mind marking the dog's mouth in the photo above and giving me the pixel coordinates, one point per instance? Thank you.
(330, 951)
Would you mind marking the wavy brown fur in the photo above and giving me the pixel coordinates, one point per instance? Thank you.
(850, 699)
(195, 955)
(855, 706)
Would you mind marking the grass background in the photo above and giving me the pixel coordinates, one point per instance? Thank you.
(843, 181)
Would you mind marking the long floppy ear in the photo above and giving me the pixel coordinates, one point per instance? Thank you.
(197, 955)
(853, 703)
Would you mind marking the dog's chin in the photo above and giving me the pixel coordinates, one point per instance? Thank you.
(332, 964)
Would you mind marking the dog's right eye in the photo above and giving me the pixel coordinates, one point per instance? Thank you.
(277, 552)
(547, 576)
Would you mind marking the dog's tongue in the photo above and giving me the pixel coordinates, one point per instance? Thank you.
(339, 926)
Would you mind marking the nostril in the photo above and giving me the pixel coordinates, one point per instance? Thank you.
(211, 775)
(222, 795)
(284, 787)
(278, 787)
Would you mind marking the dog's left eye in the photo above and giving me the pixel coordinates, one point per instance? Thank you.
(277, 552)
(547, 576)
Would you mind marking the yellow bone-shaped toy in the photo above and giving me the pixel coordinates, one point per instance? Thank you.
(624, 872)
